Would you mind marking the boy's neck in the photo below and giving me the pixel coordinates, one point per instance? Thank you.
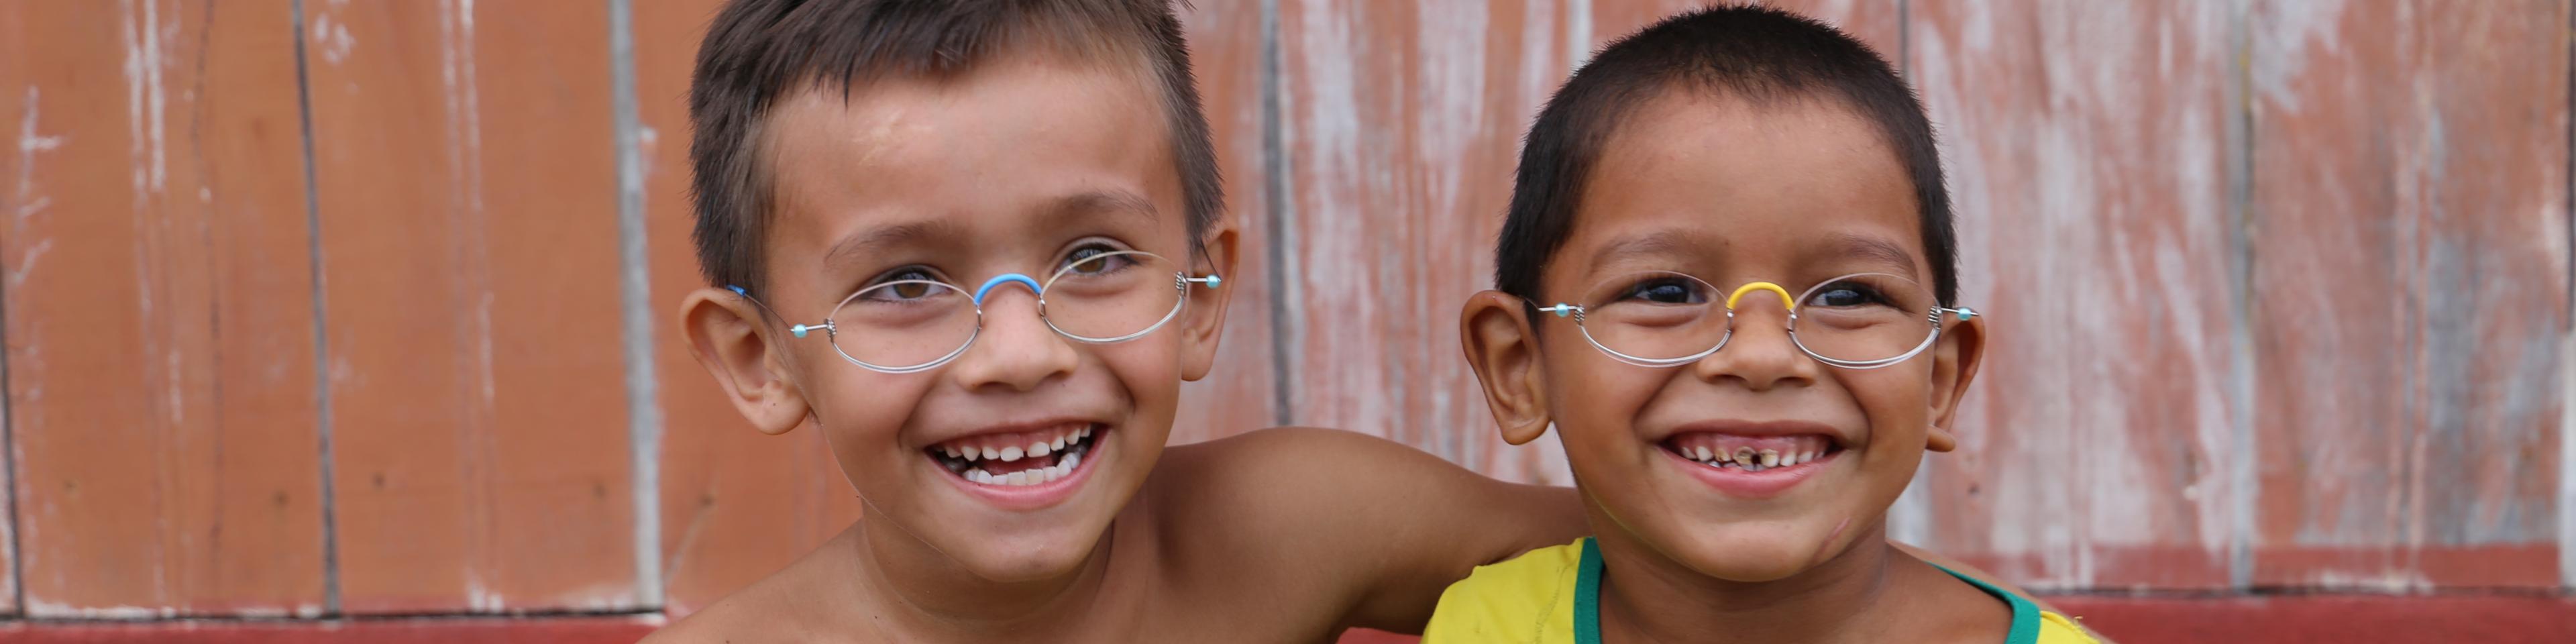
(929, 598)
(1653, 598)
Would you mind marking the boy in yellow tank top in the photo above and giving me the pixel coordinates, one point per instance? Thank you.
(1728, 282)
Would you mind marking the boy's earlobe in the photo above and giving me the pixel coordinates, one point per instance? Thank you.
(1954, 365)
(1504, 354)
(1204, 322)
(726, 336)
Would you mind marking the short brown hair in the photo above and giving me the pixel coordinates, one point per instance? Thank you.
(1745, 51)
(759, 51)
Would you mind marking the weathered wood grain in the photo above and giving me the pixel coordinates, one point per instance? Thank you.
(466, 182)
(1402, 123)
(159, 326)
(2410, 291)
(2086, 149)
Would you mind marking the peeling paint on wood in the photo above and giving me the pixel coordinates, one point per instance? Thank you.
(1403, 122)
(160, 381)
(2410, 274)
(467, 196)
(2084, 146)
(2280, 291)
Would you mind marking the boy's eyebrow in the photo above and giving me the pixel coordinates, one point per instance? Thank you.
(1104, 201)
(1648, 243)
(859, 243)
(1870, 248)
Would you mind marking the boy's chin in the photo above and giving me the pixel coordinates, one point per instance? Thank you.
(1756, 553)
(1024, 558)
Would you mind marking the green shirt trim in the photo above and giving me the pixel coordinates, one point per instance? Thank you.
(1587, 602)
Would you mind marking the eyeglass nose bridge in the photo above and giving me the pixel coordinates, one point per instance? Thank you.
(1007, 278)
(1787, 301)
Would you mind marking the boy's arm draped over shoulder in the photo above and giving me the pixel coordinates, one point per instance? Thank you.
(1389, 525)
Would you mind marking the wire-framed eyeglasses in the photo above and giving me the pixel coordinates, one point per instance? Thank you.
(1665, 319)
(915, 325)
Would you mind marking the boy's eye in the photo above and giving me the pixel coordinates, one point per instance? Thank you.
(908, 290)
(1667, 291)
(908, 283)
(1847, 294)
(1095, 259)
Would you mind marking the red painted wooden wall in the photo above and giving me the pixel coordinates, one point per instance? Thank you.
(323, 315)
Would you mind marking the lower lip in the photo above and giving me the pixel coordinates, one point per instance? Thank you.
(1033, 497)
(1736, 482)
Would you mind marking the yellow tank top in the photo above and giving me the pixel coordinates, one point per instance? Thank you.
(1551, 595)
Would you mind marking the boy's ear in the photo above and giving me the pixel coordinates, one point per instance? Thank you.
(726, 334)
(1954, 364)
(1502, 350)
(1205, 322)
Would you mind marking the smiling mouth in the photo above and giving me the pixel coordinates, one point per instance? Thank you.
(1751, 454)
(1018, 459)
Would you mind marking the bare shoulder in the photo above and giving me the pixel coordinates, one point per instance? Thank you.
(1294, 451)
(1326, 482)
(1372, 523)
(1306, 475)
(791, 605)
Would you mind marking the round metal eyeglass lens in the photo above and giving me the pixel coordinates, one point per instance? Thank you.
(903, 323)
(1864, 318)
(1113, 296)
(1655, 316)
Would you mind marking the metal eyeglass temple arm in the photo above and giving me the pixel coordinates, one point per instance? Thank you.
(799, 330)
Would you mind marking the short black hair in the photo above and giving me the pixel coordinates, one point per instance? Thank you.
(760, 51)
(1754, 53)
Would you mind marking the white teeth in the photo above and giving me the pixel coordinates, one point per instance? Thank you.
(1037, 449)
(1788, 459)
(1058, 445)
(951, 451)
(1769, 458)
(990, 453)
(1011, 453)
(1027, 477)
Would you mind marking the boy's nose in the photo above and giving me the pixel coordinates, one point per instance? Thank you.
(1016, 348)
(1760, 352)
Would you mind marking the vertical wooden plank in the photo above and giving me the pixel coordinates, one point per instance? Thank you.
(2086, 152)
(736, 505)
(1403, 122)
(2410, 282)
(160, 336)
(1240, 394)
(1872, 21)
(467, 193)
